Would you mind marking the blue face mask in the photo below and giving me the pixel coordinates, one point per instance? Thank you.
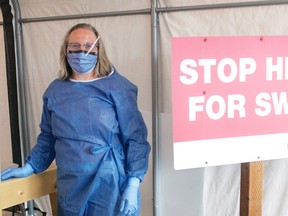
(81, 61)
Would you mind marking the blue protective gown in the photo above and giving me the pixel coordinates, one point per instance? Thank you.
(99, 139)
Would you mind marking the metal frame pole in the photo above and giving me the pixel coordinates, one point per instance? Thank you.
(11, 78)
(24, 129)
(155, 106)
(221, 6)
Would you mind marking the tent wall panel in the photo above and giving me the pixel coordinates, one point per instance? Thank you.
(220, 184)
(44, 8)
(127, 42)
(5, 146)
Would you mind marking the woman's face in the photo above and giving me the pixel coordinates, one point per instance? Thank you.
(82, 63)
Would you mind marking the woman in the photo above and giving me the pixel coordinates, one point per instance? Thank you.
(92, 126)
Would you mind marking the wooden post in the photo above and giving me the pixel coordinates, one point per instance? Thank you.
(251, 189)
(53, 201)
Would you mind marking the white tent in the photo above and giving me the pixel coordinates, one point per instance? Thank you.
(137, 35)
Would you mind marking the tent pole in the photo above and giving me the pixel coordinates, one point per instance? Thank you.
(155, 106)
(24, 131)
(11, 80)
(222, 6)
(157, 10)
(25, 148)
(145, 11)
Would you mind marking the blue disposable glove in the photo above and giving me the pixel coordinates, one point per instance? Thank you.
(20, 172)
(129, 200)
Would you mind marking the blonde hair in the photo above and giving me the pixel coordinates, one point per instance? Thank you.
(103, 66)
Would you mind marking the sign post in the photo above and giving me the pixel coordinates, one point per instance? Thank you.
(251, 189)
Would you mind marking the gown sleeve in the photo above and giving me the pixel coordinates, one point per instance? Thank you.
(43, 153)
(133, 131)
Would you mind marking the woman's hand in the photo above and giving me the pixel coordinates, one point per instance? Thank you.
(129, 201)
(20, 172)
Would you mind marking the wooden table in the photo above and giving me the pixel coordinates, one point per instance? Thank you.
(20, 190)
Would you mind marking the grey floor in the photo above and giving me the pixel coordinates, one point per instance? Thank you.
(6, 213)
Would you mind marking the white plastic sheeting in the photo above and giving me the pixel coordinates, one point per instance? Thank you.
(212, 191)
(221, 184)
(5, 147)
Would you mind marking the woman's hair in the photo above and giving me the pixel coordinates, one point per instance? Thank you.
(103, 66)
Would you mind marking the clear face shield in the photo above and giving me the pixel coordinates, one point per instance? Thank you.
(92, 46)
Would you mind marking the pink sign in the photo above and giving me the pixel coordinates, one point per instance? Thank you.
(229, 87)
